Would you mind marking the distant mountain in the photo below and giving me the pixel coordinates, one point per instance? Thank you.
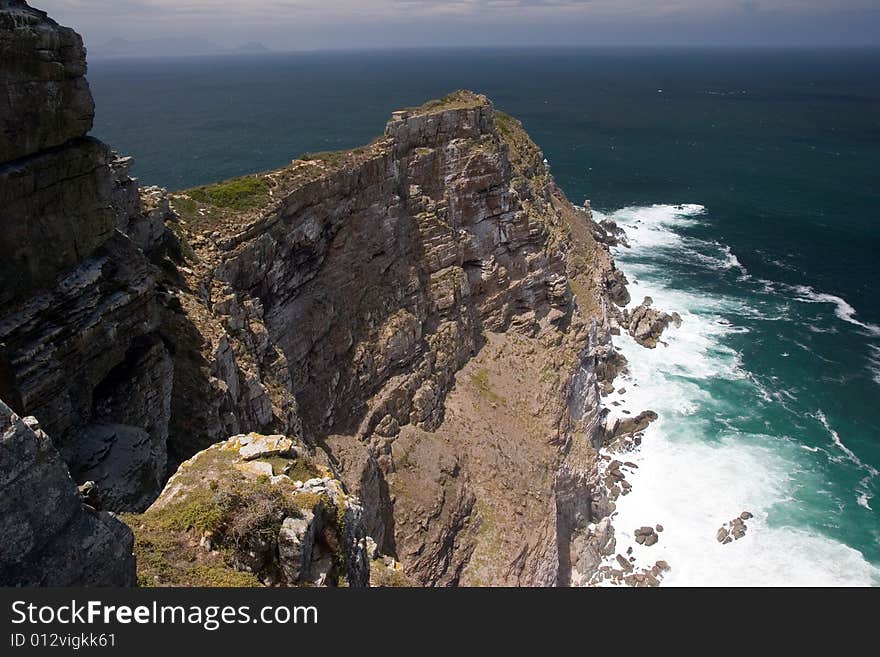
(253, 46)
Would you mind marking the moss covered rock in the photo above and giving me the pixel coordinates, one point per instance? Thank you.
(221, 521)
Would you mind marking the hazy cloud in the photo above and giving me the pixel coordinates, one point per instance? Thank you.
(284, 24)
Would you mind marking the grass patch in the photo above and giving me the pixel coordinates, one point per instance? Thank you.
(506, 124)
(166, 539)
(382, 575)
(217, 576)
(332, 158)
(236, 194)
(480, 381)
(460, 99)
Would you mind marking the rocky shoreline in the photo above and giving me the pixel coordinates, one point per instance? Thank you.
(624, 433)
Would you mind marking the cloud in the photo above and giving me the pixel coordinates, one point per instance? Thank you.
(357, 23)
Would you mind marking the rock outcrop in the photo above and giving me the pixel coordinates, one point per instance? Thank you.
(646, 324)
(50, 536)
(733, 530)
(252, 510)
(46, 99)
(376, 299)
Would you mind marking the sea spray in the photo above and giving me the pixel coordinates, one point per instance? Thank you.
(703, 462)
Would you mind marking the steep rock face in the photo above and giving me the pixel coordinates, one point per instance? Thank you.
(46, 99)
(50, 537)
(364, 288)
(57, 197)
(79, 312)
(429, 311)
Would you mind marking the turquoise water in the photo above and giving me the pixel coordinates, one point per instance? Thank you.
(768, 392)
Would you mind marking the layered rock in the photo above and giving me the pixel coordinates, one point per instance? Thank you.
(46, 99)
(50, 537)
(369, 294)
(80, 346)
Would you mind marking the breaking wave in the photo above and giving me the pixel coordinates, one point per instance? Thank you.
(703, 462)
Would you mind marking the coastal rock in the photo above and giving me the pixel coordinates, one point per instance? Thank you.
(62, 367)
(616, 283)
(646, 536)
(734, 529)
(404, 266)
(617, 428)
(50, 536)
(80, 346)
(370, 302)
(140, 213)
(646, 324)
(59, 197)
(608, 232)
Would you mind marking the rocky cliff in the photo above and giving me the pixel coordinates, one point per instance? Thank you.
(430, 312)
(427, 318)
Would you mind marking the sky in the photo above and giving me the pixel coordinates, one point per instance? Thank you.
(355, 24)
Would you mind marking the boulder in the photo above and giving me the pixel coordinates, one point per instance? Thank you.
(646, 324)
(255, 446)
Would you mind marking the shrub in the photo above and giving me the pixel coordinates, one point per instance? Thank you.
(236, 194)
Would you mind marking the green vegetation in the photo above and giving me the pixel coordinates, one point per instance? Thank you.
(338, 158)
(229, 508)
(308, 501)
(236, 194)
(333, 158)
(506, 124)
(217, 576)
(460, 99)
(480, 381)
(382, 575)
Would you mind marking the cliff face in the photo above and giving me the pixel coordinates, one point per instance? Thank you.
(426, 315)
(79, 346)
(409, 308)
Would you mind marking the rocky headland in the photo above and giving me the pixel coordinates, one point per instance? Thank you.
(380, 366)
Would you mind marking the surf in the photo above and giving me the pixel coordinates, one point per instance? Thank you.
(698, 466)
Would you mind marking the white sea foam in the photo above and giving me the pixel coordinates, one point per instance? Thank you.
(842, 309)
(691, 478)
(874, 363)
(863, 490)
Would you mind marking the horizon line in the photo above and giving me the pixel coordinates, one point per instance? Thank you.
(268, 52)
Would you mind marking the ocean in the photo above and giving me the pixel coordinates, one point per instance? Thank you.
(749, 186)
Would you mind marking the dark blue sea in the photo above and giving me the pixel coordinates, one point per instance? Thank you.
(749, 183)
